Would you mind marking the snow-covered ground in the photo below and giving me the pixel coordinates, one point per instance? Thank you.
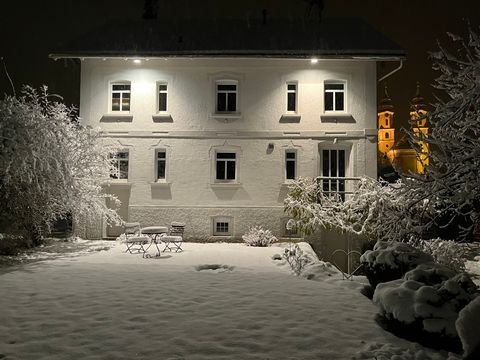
(114, 305)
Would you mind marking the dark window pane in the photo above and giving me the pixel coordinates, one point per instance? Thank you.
(232, 102)
(220, 170)
(326, 163)
(290, 155)
(328, 101)
(161, 169)
(231, 170)
(221, 102)
(125, 104)
(226, 155)
(126, 95)
(333, 163)
(116, 104)
(115, 95)
(292, 87)
(341, 163)
(123, 169)
(122, 155)
(291, 102)
(122, 87)
(227, 87)
(339, 103)
(161, 155)
(222, 227)
(162, 102)
(290, 169)
(162, 87)
(334, 86)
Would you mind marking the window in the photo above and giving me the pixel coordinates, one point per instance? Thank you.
(291, 97)
(334, 96)
(161, 165)
(222, 226)
(120, 165)
(333, 166)
(162, 97)
(387, 135)
(227, 96)
(290, 164)
(225, 166)
(121, 97)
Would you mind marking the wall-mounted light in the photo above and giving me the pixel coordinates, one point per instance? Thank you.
(137, 61)
(313, 60)
(270, 146)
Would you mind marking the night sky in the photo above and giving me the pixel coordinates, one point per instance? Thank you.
(32, 29)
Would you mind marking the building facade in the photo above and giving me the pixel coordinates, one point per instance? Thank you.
(213, 138)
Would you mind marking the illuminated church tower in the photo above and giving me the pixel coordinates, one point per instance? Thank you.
(386, 132)
(418, 122)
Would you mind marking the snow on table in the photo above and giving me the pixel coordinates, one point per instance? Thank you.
(112, 305)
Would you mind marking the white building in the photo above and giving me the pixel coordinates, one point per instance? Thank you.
(213, 127)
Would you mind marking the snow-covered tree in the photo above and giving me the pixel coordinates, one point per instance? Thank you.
(50, 166)
(450, 186)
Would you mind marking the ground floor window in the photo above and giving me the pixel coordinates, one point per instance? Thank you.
(226, 166)
(119, 165)
(333, 168)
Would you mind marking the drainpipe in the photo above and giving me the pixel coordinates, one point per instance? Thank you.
(391, 72)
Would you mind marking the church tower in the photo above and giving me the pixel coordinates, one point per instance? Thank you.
(386, 132)
(418, 122)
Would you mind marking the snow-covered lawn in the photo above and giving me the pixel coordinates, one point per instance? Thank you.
(113, 305)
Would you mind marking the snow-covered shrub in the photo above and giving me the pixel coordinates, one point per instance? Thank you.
(258, 236)
(375, 210)
(391, 260)
(296, 258)
(424, 305)
(468, 328)
(446, 252)
(50, 166)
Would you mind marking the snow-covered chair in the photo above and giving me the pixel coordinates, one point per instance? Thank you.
(174, 239)
(134, 239)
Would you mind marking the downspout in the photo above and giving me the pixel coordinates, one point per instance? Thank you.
(392, 72)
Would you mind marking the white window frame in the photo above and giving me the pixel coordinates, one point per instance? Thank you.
(116, 164)
(236, 92)
(121, 92)
(334, 92)
(221, 151)
(346, 150)
(295, 83)
(295, 161)
(162, 83)
(157, 151)
(222, 219)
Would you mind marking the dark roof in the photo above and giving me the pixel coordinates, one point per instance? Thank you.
(334, 38)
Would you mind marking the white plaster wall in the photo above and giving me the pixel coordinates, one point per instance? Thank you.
(192, 137)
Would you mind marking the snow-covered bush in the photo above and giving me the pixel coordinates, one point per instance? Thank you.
(375, 210)
(296, 258)
(447, 252)
(50, 166)
(468, 329)
(258, 236)
(424, 305)
(391, 260)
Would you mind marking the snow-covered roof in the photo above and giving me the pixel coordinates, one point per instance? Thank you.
(287, 38)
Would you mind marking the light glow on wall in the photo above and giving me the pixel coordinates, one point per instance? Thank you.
(313, 60)
(137, 61)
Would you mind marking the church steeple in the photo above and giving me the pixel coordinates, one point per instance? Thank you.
(386, 132)
(418, 122)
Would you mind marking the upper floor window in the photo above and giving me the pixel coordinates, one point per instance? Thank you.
(334, 96)
(290, 164)
(162, 97)
(121, 96)
(226, 96)
(292, 97)
(120, 165)
(161, 164)
(226, 166)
